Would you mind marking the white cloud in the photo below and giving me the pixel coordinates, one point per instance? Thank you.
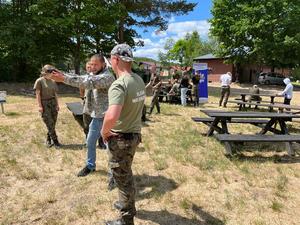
(176, 30)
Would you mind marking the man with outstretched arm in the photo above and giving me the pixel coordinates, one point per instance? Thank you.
(96, 102)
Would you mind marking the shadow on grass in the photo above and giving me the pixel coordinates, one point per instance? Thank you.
(166, 218)
(153, 186)
(12, 114)
(263, 159)
(72, 147)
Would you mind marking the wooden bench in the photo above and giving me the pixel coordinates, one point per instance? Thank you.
(2, 100)
(230, 138)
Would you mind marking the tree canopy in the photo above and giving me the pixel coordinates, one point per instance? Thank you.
(65, 32)
(258, 31)
(186, 49)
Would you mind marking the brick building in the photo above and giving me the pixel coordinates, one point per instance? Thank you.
(247, 73)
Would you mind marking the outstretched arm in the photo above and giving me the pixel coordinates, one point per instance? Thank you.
(101, 81)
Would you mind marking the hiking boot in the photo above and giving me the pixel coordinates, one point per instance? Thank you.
(56, 143)
(118, 205)
(85, 171)
(111, 184)
(48, 142)
(120, 222)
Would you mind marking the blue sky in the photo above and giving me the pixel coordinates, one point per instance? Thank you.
(178, 27)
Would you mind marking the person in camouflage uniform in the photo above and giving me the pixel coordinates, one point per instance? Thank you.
(96, 102)
(155, 83)
(46, 94)
(122, 129)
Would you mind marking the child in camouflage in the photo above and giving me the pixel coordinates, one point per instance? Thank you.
(46, 95)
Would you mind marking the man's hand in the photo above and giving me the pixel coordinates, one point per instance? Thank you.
(57, 108)
(57, 76)
(41, 110)
(107, 135)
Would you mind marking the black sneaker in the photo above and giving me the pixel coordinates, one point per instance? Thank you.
(85, 171)
(111, 184)
(48, 142)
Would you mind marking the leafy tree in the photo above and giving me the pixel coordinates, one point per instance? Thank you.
(35, 32)
(165, 58)
(188, 48)
(260, 31)
(146, 13)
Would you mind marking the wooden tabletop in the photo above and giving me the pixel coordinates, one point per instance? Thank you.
(230, 114)
(261, 94)
(75, 107)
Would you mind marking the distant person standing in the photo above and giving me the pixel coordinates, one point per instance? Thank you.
(225, 80)
(155, 83)
(195, 90)
(184, 85)
(46, 95)
(96, 102)
(122, 129)
(287, 92)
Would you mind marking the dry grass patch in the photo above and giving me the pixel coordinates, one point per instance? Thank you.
(182, 177)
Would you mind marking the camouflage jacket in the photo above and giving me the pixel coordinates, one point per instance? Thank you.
(96, 86)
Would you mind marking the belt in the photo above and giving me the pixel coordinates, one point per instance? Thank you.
(48, 99)
(127, 136)
(225, 86)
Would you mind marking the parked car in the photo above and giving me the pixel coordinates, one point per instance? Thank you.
(271, 78)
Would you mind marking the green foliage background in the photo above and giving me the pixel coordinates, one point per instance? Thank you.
(65, 32)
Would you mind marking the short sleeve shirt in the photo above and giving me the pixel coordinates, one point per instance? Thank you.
(47, 87)
(128, 91)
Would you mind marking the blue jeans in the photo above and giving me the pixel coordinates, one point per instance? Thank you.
(183, 96)
(92, 138)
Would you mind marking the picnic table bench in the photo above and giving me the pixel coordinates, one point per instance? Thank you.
(281, 134)
(229, 138)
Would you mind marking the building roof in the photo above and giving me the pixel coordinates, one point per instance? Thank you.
(207, 56)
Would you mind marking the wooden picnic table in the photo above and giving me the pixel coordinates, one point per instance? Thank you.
(222, 117)
(244, 94)
(279, 135)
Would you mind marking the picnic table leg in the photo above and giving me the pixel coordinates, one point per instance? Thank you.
(2, 108)
(272, 102)
(268, 126)
(228, 149)
(224, 126)
(283, 127)
(212, 127)
(290, 149)
(244, 100)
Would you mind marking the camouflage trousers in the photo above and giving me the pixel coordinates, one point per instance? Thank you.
(121, 152)
(155, 102)
(49, 116)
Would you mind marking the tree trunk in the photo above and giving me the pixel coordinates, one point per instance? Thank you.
(121, 31)
(77, 59)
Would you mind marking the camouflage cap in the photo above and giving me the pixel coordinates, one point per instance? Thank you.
(123, 51)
